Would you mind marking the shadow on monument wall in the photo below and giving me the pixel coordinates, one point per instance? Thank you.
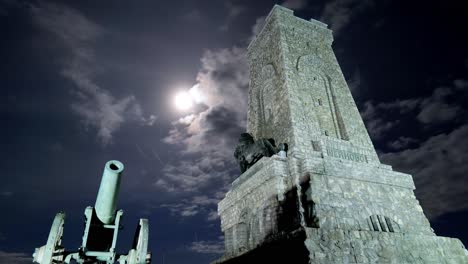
(286, 244)
(283, 248)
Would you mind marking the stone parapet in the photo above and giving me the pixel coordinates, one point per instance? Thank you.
(248, 213)
(265, 170)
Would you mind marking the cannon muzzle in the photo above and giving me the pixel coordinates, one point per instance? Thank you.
(106, 201)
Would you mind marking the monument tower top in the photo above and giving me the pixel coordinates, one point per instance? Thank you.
(298, 94)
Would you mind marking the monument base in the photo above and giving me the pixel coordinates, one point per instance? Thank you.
(326, 197)
(282, 248)
(344, 246)
(319, 246)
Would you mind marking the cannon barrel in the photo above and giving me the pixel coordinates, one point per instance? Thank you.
(102, 225)
(106, 201)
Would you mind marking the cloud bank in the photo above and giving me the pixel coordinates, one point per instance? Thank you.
(207, 247)
(435, 109)
(294, 4)
(438, 163)
(96, 106)
(207, 137)
(340, 13)
(439, 169)
(14, 258)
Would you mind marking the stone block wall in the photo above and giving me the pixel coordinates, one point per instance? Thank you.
(249, 212)
(331, 187)
(268, 114)
(348, 201)
(298, 94)
(365, 247)
(281, 194)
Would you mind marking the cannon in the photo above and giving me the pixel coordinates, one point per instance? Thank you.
(102, 225)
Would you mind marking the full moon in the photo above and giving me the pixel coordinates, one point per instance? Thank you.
(183, 101)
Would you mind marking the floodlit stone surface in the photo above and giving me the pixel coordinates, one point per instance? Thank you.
(330, 193)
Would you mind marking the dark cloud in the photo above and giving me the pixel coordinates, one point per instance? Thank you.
(295, 4)
(68, 24)
(438, 164)
(6, 193)
(437, 112)
(222, 82)
(233, 10)
(376, 124)
(439, 167)
(402, 106)
(213, 215)
(95, 105)
(460, 84)
(224, 78)
(14, 258)
(221, 122)
(198, 204)
(193, 16)
(194, 175)
(182, 209)
(207, 247)
(401, 143)
(435, 109)
(207, 138)
(339, 13)
(354, 84)
(257, 27)
(7, 5)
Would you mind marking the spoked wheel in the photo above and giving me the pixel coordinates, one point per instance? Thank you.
(139, 253)
(53, 251)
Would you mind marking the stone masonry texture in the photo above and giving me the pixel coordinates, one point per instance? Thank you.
(330, 197)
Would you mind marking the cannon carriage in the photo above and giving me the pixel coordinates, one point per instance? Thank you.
(101, 230)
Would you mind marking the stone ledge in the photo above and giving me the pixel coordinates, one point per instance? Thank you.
(265, 161)
(318, 23)
(264, 170)
(361, 172)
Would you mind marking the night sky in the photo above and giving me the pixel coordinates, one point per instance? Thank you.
(84, 82)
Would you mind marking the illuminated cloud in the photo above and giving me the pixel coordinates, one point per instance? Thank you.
(95, 105)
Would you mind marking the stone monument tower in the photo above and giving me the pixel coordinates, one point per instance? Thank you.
(330, 200)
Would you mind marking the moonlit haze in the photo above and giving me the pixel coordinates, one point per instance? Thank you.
(196, 94)
(183, 101)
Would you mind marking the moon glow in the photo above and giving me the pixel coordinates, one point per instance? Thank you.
(183, 101)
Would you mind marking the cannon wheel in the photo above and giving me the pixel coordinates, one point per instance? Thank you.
(52, 252)
(139, 252)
